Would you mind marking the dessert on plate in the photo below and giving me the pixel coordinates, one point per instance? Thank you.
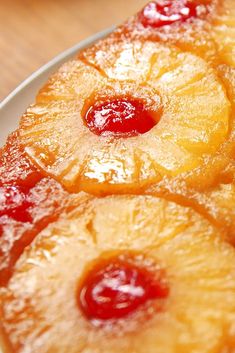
(117, 193)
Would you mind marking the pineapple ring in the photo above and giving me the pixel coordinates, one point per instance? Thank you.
(198, 314)
(210, 36)
(223, 31)
(220, 204)
(193, 35)
(194, 121)
(217, 203)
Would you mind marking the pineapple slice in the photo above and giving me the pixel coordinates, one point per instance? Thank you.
(28, 203)
(216, 203)
(180, 92)
(192, 34)
(223, 31)
(220, 203)
(197, 312)
(227, 75)
(44, 203)
(208, 30)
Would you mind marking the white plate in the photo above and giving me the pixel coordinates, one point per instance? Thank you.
(16, 103)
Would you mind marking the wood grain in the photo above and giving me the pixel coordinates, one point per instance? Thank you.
(33, 31)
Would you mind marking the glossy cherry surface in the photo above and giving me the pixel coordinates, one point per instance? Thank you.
(116, 288)
(121, 116)
(14, 203)
(165, 12)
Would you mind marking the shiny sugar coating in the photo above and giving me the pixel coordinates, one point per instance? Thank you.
(124, 117)
(168, 81)
(166, 12)
(116, 288)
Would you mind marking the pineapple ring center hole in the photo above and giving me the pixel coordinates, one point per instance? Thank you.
(116, 287)
(120, 116)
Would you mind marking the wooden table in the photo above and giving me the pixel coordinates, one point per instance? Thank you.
(33, 31)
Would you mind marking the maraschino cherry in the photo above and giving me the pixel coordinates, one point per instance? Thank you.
(124, 117)
(165, 12)
(116, 288)
(14, 203)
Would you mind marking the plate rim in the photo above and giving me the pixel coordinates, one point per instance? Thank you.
(57, 60)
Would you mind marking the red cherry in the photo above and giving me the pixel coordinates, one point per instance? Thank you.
(121, 116)
(165, 12)
(14, 203)
(117, 288)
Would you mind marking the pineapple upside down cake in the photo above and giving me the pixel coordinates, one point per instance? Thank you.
(117, 193)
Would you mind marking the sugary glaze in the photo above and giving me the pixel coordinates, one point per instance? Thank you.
(150, 110)
(197, 312)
